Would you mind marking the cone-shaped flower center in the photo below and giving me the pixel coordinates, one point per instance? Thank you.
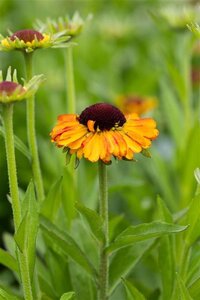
(8, 87)
(105, 116)
(27, 35)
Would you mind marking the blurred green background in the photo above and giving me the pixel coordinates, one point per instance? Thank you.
(127, 47)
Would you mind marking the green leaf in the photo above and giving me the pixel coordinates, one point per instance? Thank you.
(27, 231)
(163, 211)
(193, 220)
(188, 163)
(7, 260)
(156, 166)
(21, 234)
(6, 295)
(124, 260)
(19, 145)
(82, 283)
(166, 266)
(194, 289)
(172, 111)
(93, 219)
(52, 202)
(58, 269)
(45, 282)
(45, 297)
(69, 193)
(63, 243)
(132, 292)
(68, 296)
(114, 226)
(9, 243)
(165, 253)
(143, 232)
(181, 292)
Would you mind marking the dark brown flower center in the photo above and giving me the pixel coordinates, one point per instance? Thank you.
(27, 35)
(106, 116)
(8, 87)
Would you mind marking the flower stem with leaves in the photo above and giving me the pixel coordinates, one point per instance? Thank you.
(32, 141)
(15, 201)
(104, 268)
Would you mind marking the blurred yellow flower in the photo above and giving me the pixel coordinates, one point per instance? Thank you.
(135, 104)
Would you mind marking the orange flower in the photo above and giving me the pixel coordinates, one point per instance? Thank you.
(102, 131)
(136, 104)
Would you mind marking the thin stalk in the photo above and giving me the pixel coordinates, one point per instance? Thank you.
(71, 99)
(13, 184)
(104, 268)
(71, 104)
(11, 163)
(32, 141)
(25, 275)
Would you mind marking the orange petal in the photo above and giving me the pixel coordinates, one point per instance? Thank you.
(90, 125)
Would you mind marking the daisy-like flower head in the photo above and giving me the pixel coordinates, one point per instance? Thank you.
(102, 131)
(136, 104)
(28, 40)
(71, 27)
(12, 91)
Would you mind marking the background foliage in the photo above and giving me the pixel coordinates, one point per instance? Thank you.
(127, 47)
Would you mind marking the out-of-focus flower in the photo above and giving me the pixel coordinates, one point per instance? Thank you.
(28, 40)
(135, 104)
(71, 27)
(102, 131)
(12, 91)
(179, 17)
(115, 28)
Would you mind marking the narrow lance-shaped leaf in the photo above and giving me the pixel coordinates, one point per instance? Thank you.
(68, 195)
(21, 234)
(68, 296)
(193, 220)
(65, 244)
(194, 289)
(124, 260)
(52, 202)
(30, 208)
(165, 254)
(7, 260)
(132, 292)
(143, 232)
(5, 295)
(181, 292)
(93, 219)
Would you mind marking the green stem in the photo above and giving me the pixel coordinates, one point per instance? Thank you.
(71, 101)
(104, 268)
(13, 184)
(11, 163)
(25, 275)
(71, 106)
(32, 141)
